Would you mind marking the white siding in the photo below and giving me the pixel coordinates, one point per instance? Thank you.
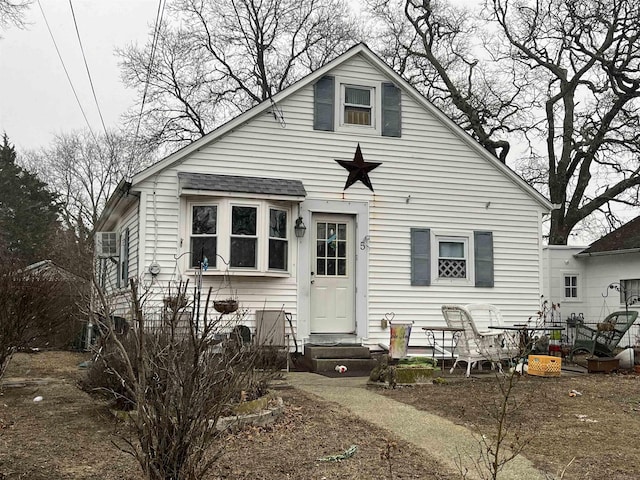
(429, 178)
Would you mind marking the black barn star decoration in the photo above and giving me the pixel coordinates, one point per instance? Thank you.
(358, 169)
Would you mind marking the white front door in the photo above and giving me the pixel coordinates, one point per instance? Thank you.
(333, 274)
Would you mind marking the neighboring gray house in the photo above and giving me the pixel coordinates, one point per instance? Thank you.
(579, 277)
(403, 212)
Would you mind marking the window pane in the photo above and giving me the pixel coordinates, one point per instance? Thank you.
(277, 223)
(204, 220)
(331, 249)
(243, 221)
(357, 96)
(203, 247)
(331, 267)
(342, 267)
(321, 251)
(320, 270)
(451, 249)
(342, 231)
(278, 254)
(321, 231)
(342, 249)
(357, 116)
(243, 252)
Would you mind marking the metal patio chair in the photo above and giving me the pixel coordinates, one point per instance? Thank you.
(602, 340)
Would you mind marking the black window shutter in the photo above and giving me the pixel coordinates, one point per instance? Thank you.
(391, 113)
(323, 110)
(483, 258)
(420, 256)
(125, 256)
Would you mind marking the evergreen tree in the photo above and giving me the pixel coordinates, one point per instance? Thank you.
(28, 211)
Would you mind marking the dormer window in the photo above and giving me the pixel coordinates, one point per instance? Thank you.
(358, 105)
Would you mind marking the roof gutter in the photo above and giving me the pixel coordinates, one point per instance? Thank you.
(611, 252)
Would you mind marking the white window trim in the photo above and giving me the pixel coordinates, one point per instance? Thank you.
(467, 239)
(563, 276)
(223, 234)
(376, 106)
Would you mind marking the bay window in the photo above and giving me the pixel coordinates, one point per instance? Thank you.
(249, 235)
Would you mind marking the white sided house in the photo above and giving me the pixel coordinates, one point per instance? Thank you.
(403, 212)
(591, 282)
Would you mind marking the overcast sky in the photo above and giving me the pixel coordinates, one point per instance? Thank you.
(36, 99)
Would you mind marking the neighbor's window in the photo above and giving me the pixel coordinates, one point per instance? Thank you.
(452, 258)
(244, 238)
(632, 289)
(571, 287)
(278, 243)
(357, 105)
(204, 240)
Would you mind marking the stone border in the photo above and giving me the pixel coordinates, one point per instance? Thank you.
(261, 418)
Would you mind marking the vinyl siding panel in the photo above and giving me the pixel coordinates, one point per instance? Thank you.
(429, 178)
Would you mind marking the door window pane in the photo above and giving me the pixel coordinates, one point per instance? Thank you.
(331, 244)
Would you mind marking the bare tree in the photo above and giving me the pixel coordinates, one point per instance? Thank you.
(215, 58)
(563, 74)
(84, 170)
(12, 12)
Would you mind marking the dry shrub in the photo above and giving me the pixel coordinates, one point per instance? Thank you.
(179, 384)
(35, 311)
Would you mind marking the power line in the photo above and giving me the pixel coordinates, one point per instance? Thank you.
(86, 65)
(154, 44)
(75, 94)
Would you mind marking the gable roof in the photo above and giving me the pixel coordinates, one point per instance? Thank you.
(622, 240)
(372, 58)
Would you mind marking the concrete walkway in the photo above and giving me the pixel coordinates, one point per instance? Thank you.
(441, 438)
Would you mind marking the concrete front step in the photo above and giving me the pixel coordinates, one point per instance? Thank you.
(353, 364)
(337, 351)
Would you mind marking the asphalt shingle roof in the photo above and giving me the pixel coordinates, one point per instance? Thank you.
(627, 237)
(232, 183)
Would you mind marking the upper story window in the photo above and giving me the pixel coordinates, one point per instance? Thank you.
(250, 236)
(352, 105)
(357, 105)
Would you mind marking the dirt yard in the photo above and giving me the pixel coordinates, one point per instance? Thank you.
(69, 435)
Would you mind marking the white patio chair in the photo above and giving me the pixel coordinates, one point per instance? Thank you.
(473, 346)
(487, 315)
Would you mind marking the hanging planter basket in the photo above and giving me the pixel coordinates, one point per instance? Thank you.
(225, 306)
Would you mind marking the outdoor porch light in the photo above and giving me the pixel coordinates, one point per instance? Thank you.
(300, 228)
